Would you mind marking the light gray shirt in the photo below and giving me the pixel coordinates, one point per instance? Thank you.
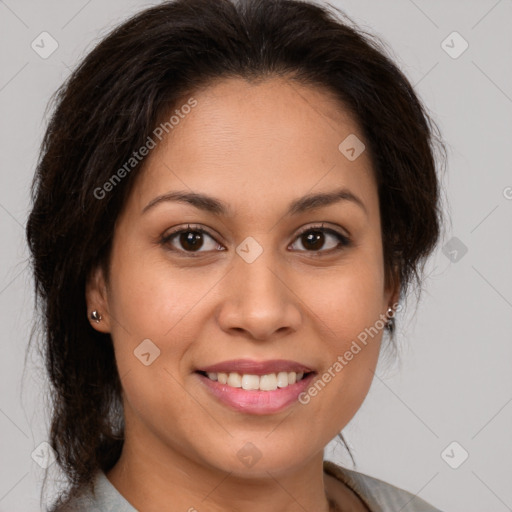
(377, 495)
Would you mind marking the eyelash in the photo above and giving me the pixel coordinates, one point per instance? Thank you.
(344, 241)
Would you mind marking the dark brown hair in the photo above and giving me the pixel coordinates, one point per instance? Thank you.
(110, 105)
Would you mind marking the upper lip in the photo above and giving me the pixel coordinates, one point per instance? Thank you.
(251, 367)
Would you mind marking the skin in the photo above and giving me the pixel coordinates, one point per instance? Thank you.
(257, 147)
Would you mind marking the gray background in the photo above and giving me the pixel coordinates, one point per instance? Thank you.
(454, 381)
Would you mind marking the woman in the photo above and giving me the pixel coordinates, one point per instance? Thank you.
(231, 202)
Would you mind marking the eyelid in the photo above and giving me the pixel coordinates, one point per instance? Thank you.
(187, 227)
(323, 226)
(168, 235)
(344, 240)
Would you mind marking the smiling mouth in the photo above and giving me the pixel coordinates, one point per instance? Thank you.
(251, 382)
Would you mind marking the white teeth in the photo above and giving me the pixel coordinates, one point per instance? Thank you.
(268, 382)
(250, 382)
(282, 379)
(235, 380)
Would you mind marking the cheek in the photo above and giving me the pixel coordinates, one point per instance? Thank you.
(348, 313)
(348, 305)
(349, 299)
(150, 296)
(152, 301)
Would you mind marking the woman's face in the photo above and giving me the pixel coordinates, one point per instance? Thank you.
(263, 282)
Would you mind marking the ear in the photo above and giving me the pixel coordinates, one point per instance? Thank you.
(96, 298)
(393, 289)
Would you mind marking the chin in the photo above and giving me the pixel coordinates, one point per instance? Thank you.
(257, 458)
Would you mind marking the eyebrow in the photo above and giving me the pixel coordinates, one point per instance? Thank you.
(220, 208)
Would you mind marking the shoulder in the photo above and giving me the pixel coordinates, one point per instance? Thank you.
(103, 497)
(379, 496)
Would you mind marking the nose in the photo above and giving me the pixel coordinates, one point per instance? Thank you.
(258, 301)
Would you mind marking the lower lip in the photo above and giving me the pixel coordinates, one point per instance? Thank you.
(254, 401)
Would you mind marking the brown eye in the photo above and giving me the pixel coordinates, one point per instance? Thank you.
(314, 238)
(190, 240)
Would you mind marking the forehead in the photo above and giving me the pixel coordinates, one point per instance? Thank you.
(264, 142)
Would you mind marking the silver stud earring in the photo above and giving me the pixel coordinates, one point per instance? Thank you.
(390, 324)
(95, 315)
